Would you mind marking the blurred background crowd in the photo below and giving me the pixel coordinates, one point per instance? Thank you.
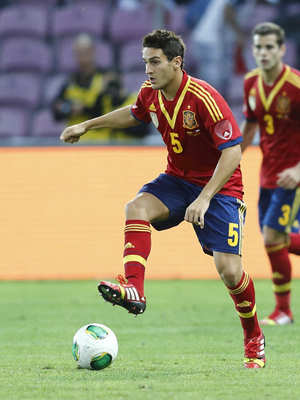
(63, 61)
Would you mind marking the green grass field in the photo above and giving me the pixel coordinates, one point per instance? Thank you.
(187, 345)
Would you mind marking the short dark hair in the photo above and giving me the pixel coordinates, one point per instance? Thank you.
(268, 28)
(171, 44)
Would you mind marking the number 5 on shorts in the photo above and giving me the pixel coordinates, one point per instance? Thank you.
(233, 234)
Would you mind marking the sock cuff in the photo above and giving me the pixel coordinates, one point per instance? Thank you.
(136, 222)
(272, 248)
(135, 225)
(241, 286)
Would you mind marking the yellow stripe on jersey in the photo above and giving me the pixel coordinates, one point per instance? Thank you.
(207, 99)
(268, 101)
(172, 120)
(146, 84)
(210, 97)
(252, 73)
(293, 79)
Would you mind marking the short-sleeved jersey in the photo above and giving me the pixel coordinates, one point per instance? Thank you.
(276, 108)
(195, 126)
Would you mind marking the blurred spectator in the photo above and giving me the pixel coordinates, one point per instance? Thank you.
(90, 92)
(216, 37)
(195, 11)
(289, 19)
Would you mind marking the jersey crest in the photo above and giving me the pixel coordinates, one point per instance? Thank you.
(189, 120)
(283, 105)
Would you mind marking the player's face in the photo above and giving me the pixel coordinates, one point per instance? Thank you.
(160, 70)
(267, 52)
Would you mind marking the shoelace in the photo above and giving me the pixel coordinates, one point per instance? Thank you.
(121, 280)
(251, 350)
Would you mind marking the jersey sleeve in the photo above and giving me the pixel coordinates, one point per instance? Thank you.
(226, 133)
(219, 120)
(248, 113)
(139, 110)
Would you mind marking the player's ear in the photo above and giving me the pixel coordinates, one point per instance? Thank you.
(282, 49)
(177, 62)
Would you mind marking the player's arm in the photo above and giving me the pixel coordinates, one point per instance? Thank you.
(227, 164)
(290, 177)
(248, 129)
(117, 119)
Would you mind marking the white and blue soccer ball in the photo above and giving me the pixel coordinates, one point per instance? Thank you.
(95, 346)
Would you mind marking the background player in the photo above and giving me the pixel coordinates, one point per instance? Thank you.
(202, 183)
(272, 105)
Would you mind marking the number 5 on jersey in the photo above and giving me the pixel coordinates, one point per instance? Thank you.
(177, 148)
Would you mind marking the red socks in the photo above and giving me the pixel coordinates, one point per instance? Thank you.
(294, 244)
(282, 275)
(243, 295)
(137, 248)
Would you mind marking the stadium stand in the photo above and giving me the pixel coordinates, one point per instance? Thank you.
(36, 45)
(130, 24)
(26, 54)
(13, 122)
(43, 125)
(25, 21)
(20, 89)
(87, 16)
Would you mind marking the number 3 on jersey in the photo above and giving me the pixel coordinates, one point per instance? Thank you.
(177, 148)
(269, 124)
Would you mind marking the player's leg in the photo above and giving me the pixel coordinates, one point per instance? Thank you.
(139, 212)
(293, 240)
(161, 202)
(275, 245)
(223, 234)
(293, 244)
(277, 215)
(241, 290)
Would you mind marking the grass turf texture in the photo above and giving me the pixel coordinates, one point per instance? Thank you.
(187, 345)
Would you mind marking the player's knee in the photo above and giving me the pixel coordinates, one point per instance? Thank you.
(272, 236)
(135, 210)
(229, 267)
(230, 276)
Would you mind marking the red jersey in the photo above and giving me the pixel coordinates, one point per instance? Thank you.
(276, 108)
(195, 127)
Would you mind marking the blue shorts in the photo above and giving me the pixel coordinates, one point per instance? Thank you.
(279, 209)
(223, 221)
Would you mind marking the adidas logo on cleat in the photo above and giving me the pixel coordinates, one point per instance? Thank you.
(132, 294)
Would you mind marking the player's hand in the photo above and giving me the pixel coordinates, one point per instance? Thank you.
(196, 211)
(72, 133)
(289, 178)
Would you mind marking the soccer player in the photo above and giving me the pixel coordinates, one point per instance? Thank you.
(201, 185)
(272, 106)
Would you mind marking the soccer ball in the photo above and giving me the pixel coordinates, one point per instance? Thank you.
(94, 346)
